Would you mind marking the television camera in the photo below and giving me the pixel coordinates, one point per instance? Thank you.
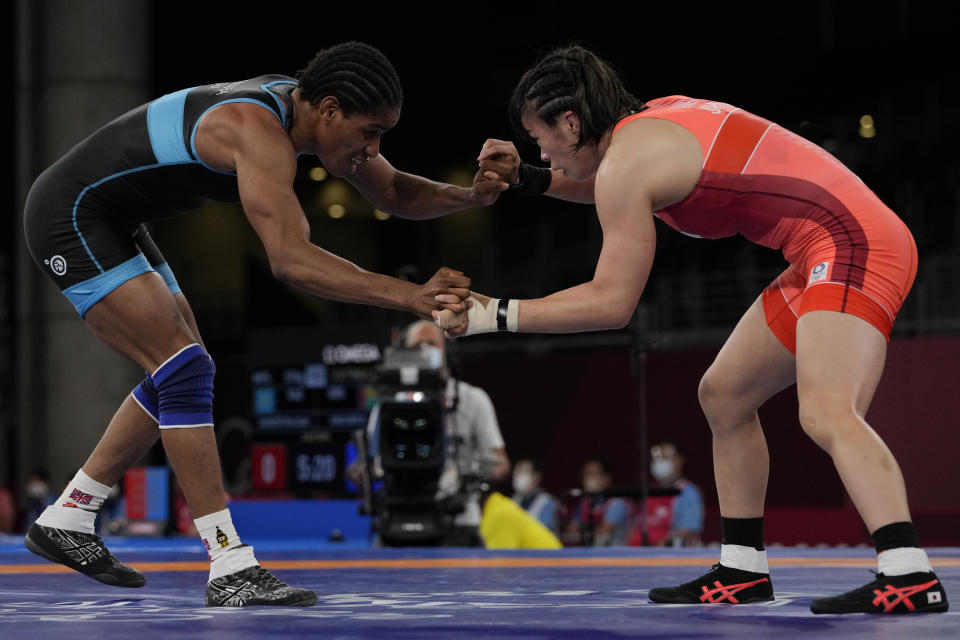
(414, 447)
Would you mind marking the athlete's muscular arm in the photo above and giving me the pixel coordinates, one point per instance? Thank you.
(497, 154)
(608, 300)
(651, 165)
(250, 140)
(414, 197)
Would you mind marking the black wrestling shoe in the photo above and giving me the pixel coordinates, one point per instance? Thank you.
(720, 584)
(919, 592)
(82, 552)
(253, 586)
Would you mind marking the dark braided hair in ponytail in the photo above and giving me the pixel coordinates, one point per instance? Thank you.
(572, 78)
(357, 74)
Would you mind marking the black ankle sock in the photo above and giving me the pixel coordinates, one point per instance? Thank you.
(894, 536)
(746, 532)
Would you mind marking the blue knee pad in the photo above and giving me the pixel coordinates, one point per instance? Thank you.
(185, 389)
(145, 394)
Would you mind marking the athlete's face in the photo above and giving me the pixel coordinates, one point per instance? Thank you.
(557, 142)
(343, 143)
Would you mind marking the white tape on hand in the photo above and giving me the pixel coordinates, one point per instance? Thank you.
(482, 319)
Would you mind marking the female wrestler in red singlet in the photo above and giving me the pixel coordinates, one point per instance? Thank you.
(710, 169)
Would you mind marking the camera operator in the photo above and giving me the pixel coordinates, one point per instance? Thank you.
(476, 450)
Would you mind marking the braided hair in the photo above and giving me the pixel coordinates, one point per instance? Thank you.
(572, 78)
(357, 74)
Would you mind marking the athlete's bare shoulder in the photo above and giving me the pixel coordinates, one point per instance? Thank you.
(660, 156)
(238, 128)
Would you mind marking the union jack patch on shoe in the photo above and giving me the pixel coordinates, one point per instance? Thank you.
(719, 585)
(920, 592)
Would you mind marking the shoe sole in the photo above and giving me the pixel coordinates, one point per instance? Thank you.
(935, 608)
(749, 601)
(105, 578)
(306, 600)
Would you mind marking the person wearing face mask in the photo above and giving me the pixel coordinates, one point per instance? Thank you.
(527, 492)
(598, 519)
(476, 446)
(677, 519)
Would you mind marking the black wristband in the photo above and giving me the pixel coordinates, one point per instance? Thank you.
(502, 314)
(533, 180)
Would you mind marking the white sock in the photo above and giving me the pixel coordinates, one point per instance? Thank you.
(76, 508)
(234, 560)
(903, 560)
(227, 554)
(736, 556)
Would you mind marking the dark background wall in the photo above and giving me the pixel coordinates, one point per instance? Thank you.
(813, 67)
(578, 403)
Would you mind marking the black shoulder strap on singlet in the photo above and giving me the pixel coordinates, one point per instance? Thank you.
(285, 93)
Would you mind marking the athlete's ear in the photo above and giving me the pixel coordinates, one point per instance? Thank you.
(571, 122)
(328, 107)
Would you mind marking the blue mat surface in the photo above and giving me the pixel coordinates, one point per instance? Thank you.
(452, 593)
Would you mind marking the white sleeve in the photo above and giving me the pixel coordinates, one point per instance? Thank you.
(484, 418)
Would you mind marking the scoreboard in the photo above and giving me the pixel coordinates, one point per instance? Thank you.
(312, 390)
(307, 379)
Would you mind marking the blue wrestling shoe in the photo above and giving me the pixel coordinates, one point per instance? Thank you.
(84, 553)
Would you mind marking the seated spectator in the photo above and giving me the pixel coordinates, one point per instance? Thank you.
(529, 494)
(598, 519)
(674, 520)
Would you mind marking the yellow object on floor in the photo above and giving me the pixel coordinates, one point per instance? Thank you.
(505, 525)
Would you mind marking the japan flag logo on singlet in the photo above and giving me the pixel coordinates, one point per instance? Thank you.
(819, 272)
(57, 264)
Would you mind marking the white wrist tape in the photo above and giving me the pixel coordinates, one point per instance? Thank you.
(498, 315)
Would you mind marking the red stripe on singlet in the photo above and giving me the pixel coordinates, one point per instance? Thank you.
(735, 142)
